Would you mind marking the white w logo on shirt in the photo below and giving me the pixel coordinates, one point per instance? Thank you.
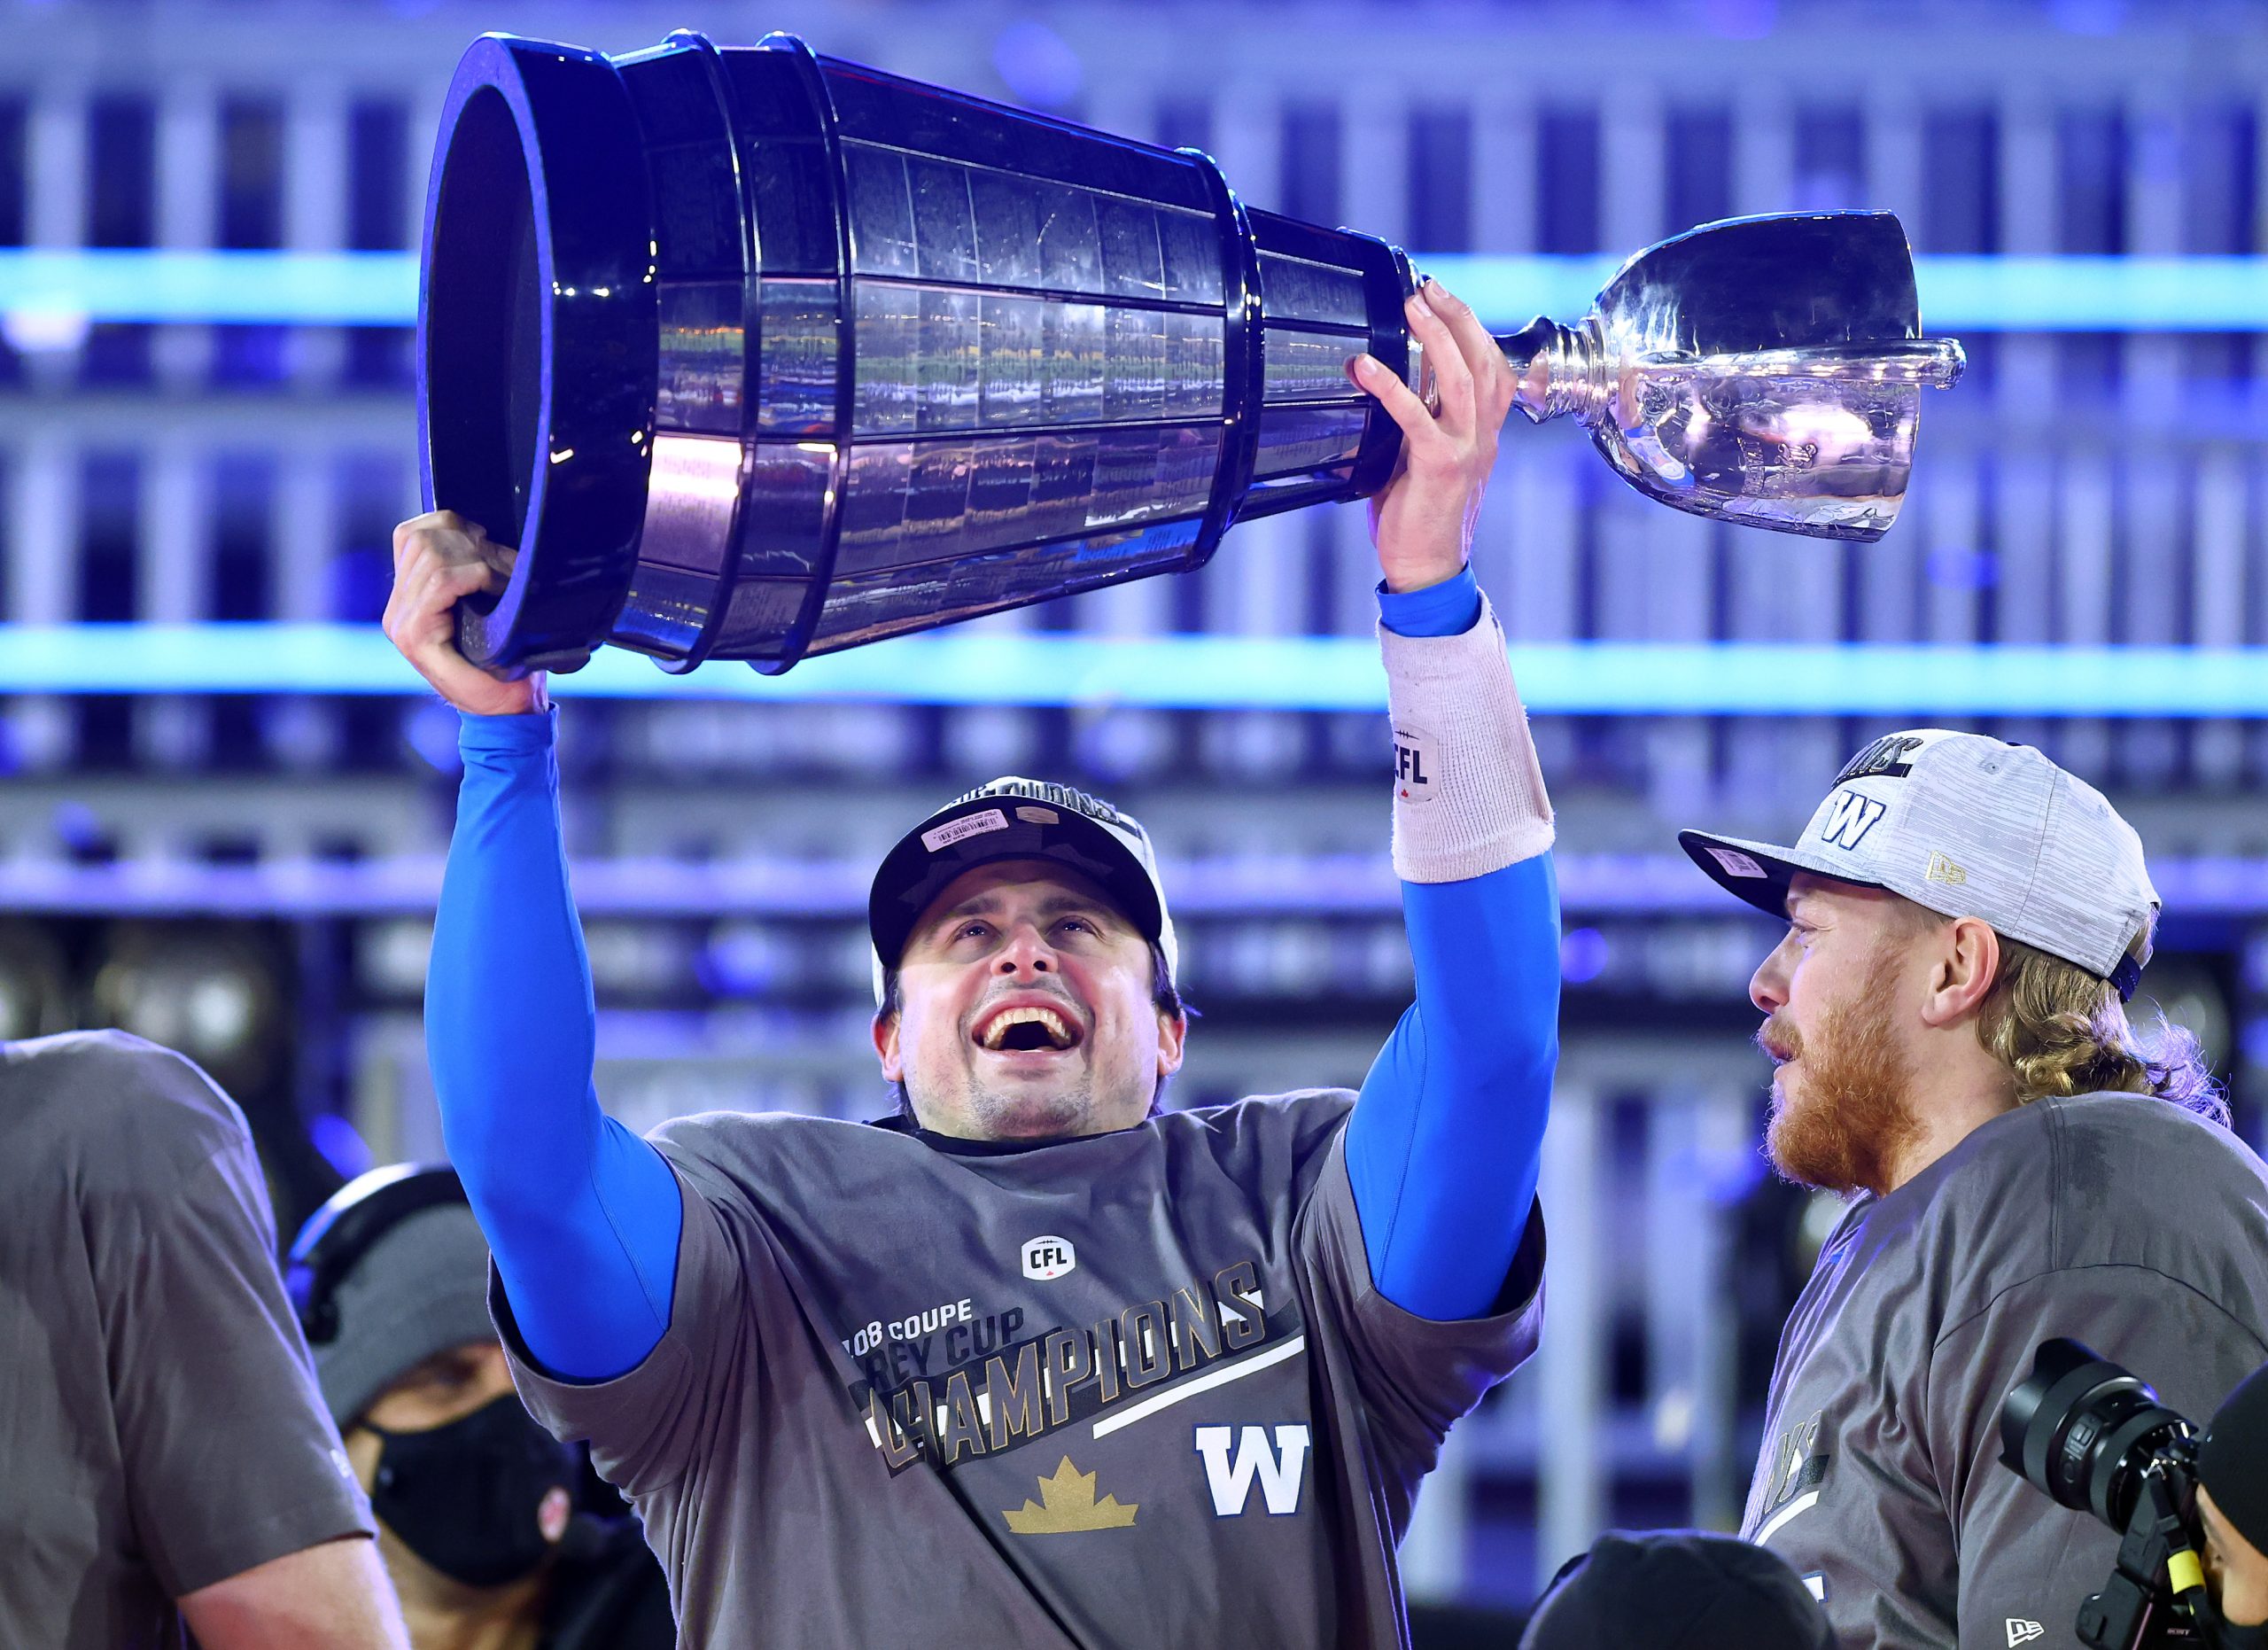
(1230, 1476)
(1849, 817)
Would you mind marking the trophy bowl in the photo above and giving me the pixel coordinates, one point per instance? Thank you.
(755, 353)
(1765, 371)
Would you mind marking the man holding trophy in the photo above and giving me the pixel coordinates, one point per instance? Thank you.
(749, 353)
(1036, 1364)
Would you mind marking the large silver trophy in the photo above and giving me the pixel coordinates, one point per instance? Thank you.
(754, 353)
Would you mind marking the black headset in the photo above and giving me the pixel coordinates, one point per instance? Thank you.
(337, 1235)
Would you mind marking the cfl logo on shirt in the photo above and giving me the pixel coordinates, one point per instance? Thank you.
(1047, 1258)
(1237, 1457)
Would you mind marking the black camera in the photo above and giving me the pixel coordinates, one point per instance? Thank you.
(2096, 1439)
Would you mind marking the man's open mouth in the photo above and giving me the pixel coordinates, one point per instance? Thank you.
(1026, 1028)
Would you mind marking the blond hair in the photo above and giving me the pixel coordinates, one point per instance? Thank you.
(2062, 1031)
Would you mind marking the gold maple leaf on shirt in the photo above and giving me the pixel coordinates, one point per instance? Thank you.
(1070, 1504)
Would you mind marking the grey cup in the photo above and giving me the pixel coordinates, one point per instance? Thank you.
(753, 354)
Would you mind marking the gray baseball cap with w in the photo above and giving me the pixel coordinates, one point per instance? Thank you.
(1967, 826)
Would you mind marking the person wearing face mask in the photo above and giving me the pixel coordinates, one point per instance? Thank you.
(475, 1502)
(2232, 1506)
(1946, 1016)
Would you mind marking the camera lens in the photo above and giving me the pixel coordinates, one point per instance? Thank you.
(2083, 1429)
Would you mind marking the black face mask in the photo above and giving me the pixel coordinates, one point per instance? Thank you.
(464, 1496)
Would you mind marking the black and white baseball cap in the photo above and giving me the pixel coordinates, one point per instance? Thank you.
(1018, 819)
(1967, 826)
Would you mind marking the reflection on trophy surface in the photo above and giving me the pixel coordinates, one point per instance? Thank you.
(755, 353)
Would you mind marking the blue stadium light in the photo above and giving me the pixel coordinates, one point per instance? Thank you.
(355, 289)
(55, 294)
(1591, 885)
(2076, 293)
(1208, 672)
(2062, 293)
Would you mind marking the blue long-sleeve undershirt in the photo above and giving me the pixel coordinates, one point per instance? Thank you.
(1443, 1147)
(581, 1214)
(584, 1218)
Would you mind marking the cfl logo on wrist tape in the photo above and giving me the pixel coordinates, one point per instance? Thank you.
(1417, 767)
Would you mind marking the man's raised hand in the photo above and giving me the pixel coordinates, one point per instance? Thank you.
(439, 559)
(1422, 520)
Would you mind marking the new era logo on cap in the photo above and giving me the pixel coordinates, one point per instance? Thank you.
(1967, 826)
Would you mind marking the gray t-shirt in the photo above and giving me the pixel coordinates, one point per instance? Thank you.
(2122, 1221)
(1135, 1389)
(160, 1426)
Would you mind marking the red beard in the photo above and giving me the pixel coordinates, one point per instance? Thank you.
(1850, 1117)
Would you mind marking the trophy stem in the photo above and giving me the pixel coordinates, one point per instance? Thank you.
(1559, 369)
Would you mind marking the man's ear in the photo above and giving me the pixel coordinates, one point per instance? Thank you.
(1962, 972)
(886, 1047)
(1173, 1031)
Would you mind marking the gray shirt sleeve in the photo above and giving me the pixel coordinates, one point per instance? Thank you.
(1414, 1377)
(2022, 1557)
(231, 1459)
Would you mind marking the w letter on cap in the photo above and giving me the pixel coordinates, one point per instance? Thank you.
(1850, 816)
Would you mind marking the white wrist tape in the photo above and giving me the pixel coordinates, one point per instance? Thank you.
(1468, 791)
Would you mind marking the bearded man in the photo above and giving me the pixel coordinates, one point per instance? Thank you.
(1946, 1016)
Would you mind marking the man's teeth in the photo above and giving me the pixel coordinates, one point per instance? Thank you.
(1046, 1019)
